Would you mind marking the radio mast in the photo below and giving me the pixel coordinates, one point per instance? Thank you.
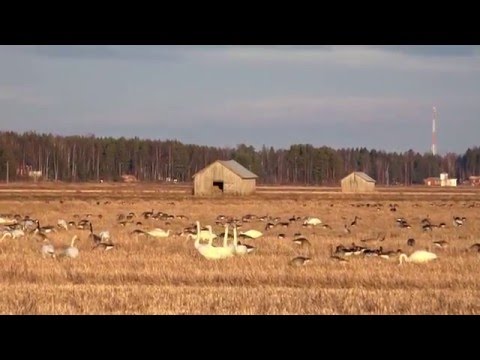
(434, 132)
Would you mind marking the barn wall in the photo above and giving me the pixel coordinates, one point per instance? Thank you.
(232, 183)
(352, 183)
(246, 187)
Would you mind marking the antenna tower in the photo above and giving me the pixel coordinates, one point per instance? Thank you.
(434, 132)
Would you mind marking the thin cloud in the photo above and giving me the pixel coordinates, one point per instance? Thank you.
(434, 50)
(23, 95)
(107, 52)
(307, 110)
(354, 56)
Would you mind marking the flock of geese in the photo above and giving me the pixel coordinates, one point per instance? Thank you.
(13, 228)
(16, 226)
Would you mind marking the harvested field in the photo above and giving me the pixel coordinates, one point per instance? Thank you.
(142, 275)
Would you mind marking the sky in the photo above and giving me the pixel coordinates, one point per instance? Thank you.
(379, 97)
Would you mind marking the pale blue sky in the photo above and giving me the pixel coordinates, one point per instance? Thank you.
(341, 96)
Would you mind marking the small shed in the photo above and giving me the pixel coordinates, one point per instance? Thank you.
(224, 177)
(357, 181)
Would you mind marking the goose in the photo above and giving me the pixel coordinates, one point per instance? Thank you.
(252, 234)
(82, 224)
(96, 238)
(337, 254)
(48, 250)
(385, 254)
(40, 233)
(300, 261)
(419, 256)
(370, 252)
(301, 241)
(269, 226)
(354, 222)
(427, 227)
(293, 219)
(71, 251)
(457, 221)
(475, 247)
(356, 250)
(45, 229)
(338, 258)
(441, 243)
(138, 232)
(104, 245)
(250, 248)
(147, 214)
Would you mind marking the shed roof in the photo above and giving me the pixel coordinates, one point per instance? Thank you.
(235, 167)
(363, 176)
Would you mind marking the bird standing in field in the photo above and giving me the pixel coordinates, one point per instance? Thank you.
(300, 261)
(419, 256)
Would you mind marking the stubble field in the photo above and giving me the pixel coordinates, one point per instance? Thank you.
(142, 275)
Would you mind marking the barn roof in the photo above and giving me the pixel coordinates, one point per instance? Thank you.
(235, 167)
(362, 175)
(238, 169)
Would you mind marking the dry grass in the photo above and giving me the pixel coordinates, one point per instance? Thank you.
(168, 276)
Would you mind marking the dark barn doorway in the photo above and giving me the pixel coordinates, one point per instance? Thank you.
(218, 186)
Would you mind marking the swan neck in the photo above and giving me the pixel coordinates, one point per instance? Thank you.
(225, 237)
(235, 239)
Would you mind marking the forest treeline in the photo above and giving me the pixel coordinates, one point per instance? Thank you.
(90, 158)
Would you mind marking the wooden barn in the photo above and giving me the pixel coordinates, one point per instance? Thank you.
(357, 182)
(224, 177)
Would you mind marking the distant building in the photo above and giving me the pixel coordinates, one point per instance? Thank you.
(357, 181)
(442, 181)
(224, 177)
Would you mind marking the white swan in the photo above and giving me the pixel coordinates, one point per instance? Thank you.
(48, 250)
(226, 251)
(158, 233)
(253, 234)
(312, 221)
(8, 233)
(204, 234)
(419, 256)
(238, 249)
(6, 221)
(211, 252)
(71, 251)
